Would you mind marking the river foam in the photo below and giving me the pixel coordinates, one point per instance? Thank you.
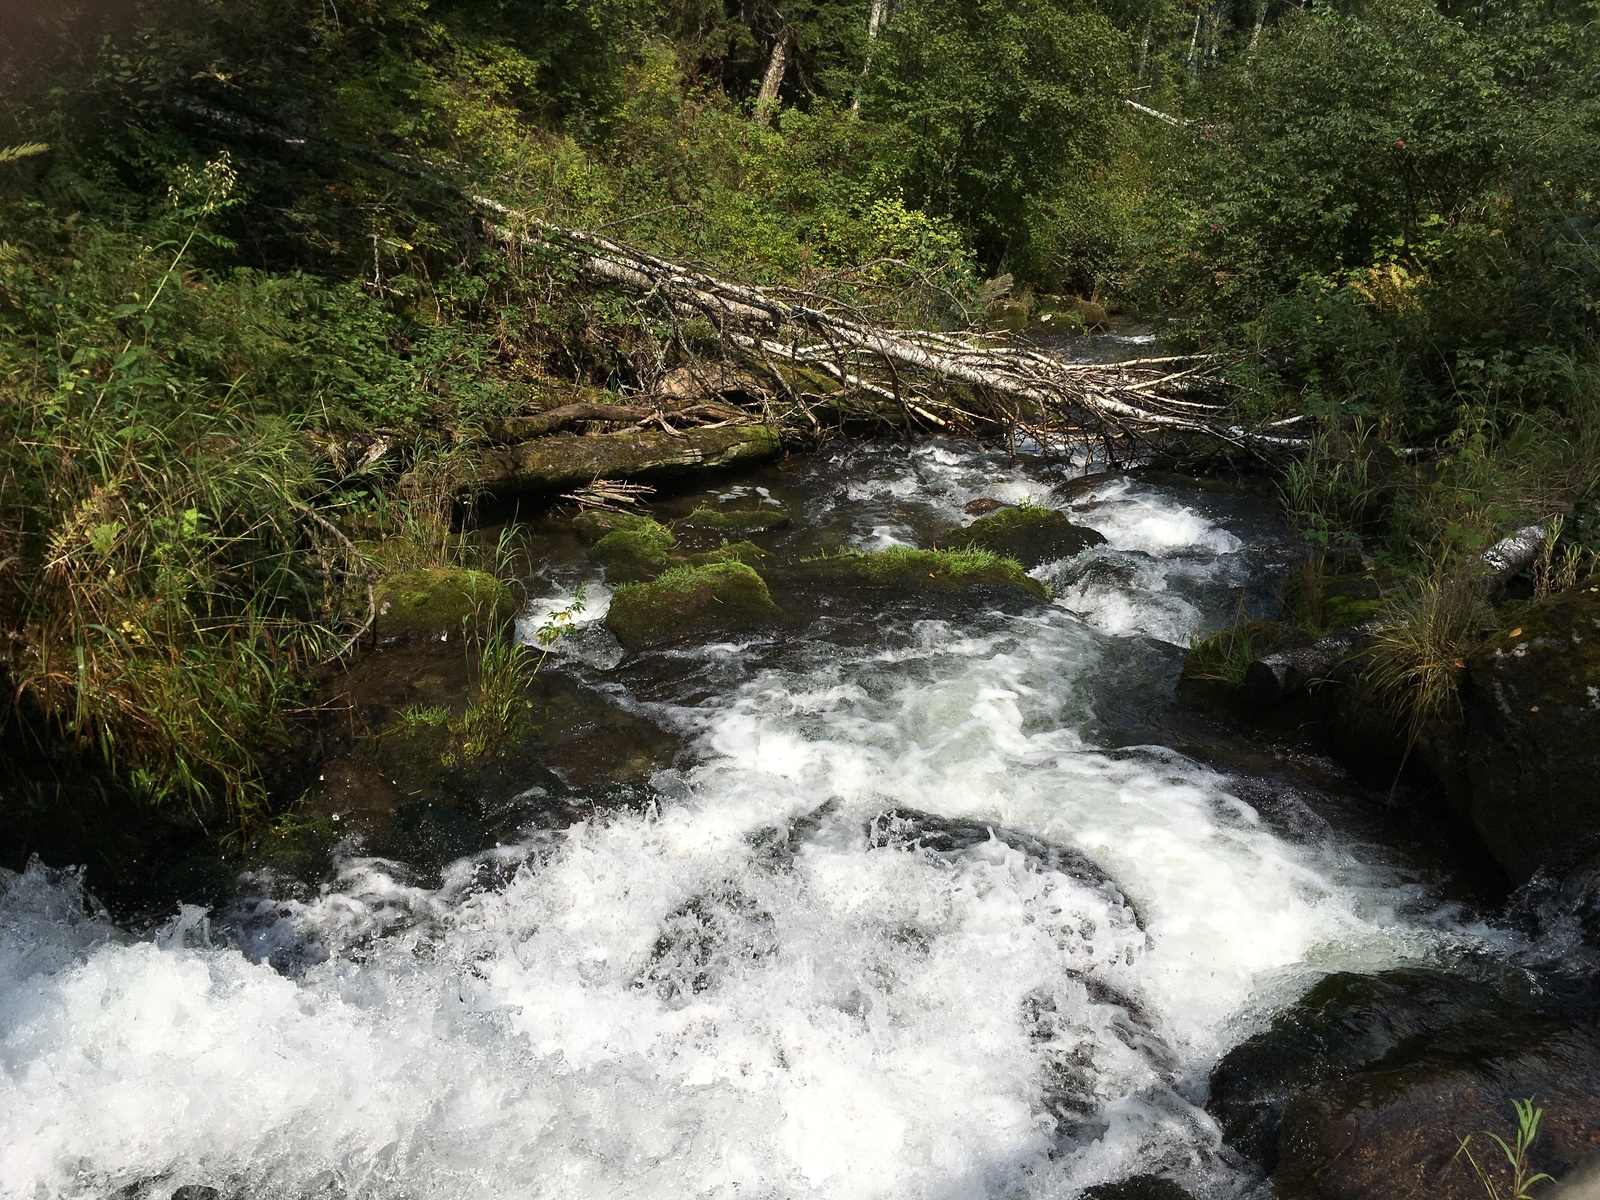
(896, 929)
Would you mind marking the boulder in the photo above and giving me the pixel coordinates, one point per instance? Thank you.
(689, 601)
(1030, 534)
(1362, 1090)
(638, 552)
(1526, 767)
(562, 461)
(434, 602)
(907, 572)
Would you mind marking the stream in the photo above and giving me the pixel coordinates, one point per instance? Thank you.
(931, 900)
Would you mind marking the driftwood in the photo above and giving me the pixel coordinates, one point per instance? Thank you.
(559, 463)
(1275, 676)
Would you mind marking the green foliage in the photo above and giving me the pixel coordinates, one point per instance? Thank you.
(997, 111)
(1390, 209)
(1523, 1177)
(1223, 655)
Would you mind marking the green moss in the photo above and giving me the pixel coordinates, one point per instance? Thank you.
(595, 523)
(746, 552)
(691, 600)
(737, 520)
(638, 552)
(905, 569)
(429, 601)
(1029, 533)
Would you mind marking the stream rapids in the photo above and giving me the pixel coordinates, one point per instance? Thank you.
(933, 902)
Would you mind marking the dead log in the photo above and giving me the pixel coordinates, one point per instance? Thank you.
(1017, 386)
(519, 429)
(561, 463)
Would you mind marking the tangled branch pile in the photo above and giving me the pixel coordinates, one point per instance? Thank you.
(826, 363)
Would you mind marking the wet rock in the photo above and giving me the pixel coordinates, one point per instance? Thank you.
(637, 553)
(559, 462)
(1528, 759)
(689, 601)
(1139, 1187)
(1030, 534)
(595, 523)
(433, 602)
(1362, 1090)
(737, 521)
(428, 834)
(908, 572)
(983, 506)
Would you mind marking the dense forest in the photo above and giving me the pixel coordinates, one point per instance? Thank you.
(234, 239)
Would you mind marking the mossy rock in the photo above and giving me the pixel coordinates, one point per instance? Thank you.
(1009, 314)
(691, 601)
(1059, 315)
(746, 552)
(1029, 533)
(1530, 751)
(437, 601)
(765, 519)
(908, 571)
(638, 552)
(595, 523)
(1213, 676)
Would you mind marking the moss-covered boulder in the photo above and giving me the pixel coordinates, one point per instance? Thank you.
(1527, 761)
(746, 552)
(429, 602)
(638, 552)
(1029, 533)
(594, 523)
(738, 521)
(908, 572)
(691, 601)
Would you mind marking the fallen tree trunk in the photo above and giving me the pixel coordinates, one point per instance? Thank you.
(552, 464)
(518, 429)
(1017, 386)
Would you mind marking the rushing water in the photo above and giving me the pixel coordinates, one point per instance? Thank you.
(917, 914)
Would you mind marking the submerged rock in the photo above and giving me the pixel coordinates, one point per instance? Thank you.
(1526, 765)
(717, 597)
(432, 602)
(731, 521)
(1362, 1090)
(1030, 534)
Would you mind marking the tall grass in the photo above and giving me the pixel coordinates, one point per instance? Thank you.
(1418, 653)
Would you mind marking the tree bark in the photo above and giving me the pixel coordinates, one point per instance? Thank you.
(553, 464)
(877, 17)
(777, 67)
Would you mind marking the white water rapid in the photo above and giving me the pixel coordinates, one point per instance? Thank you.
(895, 927)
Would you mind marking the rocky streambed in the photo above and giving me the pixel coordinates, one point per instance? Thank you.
(849, 839)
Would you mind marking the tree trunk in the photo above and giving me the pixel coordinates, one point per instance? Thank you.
(877, 18)
(1261, 20)
(777, 66)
